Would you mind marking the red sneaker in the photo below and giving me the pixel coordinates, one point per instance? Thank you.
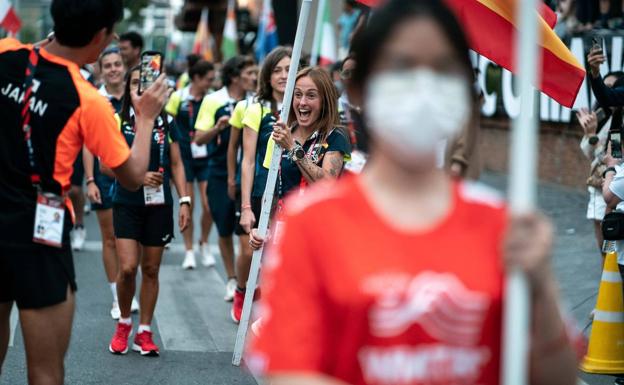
(237, 306)
(144, 344)
(119, 343)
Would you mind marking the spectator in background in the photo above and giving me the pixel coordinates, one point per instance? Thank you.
(566, 19)
(347, 22)
(605, 8)
(131, 45)
(606, 97)
(586, 14)
(185, 79)
(335, 71)
(596, 131)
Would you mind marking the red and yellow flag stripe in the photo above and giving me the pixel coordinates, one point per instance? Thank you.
(491, 28)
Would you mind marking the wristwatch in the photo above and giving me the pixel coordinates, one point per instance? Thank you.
(609, 169)
(297, 153)
(593, 140)
(185, 201)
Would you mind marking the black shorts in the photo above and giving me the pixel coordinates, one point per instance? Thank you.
(77, 177)
(223, 209)
(148, 225)
(36, 276)
(195, 170)
(105, 185)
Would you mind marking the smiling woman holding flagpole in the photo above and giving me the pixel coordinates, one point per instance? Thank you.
(267, 199)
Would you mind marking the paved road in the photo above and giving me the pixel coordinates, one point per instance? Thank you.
(195, 334)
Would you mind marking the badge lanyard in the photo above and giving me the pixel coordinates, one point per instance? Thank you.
(161, 149)
(31, 69)
(50, 208)
(191, 119)
(155, 195)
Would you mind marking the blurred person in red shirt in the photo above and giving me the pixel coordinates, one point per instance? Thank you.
(396, 276)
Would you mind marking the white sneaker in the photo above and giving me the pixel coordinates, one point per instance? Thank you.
(230, 289)
(79, 235)
(208, 259)
(115, 312)
(189, 260)
(134, 308)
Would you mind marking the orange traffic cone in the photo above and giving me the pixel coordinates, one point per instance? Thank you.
(605, 354)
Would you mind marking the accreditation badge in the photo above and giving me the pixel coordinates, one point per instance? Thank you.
(154, 196)
(199, 151)
(49, 220)
(357, 162)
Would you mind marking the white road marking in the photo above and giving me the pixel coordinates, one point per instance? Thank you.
(13, 324)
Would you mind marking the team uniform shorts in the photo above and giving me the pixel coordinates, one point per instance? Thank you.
(77, 177)
(105, 185)
(36, 276)
(223, 209)
(148, 225)
(195, 170)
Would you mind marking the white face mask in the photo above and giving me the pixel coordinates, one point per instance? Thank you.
(414, 111)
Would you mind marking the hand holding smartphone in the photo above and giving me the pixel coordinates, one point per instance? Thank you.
(150, 69)
(616, 144)
(596, 44)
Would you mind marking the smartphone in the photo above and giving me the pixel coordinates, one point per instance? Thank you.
(616, 144)
(150, 69)
(596, 44)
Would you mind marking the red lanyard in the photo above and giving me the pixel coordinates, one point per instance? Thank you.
(31, 68)
(161, 149)
(191, 122)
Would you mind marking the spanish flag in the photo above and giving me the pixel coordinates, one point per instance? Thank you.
(491, 28)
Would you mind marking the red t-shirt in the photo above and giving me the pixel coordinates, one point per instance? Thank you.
(348, 295)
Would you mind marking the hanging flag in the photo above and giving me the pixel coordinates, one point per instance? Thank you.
(229, 45)
(327, 42)
(267, 32)
(549, 16)
(8, 18)
(203, 40)
(491, 29)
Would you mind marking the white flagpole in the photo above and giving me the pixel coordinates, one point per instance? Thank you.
(522, 195)
(267, 199)
(318, 28)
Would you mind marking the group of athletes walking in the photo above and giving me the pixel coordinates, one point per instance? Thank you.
(212, 146)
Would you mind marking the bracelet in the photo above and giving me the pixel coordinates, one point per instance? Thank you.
(185, 200)
(593, 140)
(90, 180)
(243, 207)
(604, 174)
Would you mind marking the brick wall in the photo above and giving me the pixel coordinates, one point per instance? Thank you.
(560, 158)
